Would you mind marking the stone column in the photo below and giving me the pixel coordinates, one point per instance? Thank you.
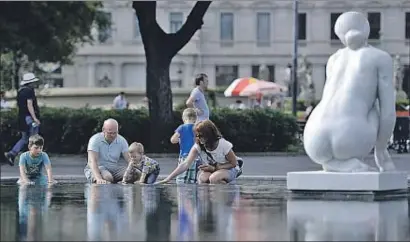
(91, 75)
(117, 82)
(188, 76)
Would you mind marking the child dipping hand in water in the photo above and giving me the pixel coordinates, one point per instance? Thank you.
(141, 166)
(219, 162)
(32, 162)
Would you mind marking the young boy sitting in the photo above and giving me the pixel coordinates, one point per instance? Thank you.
(32, 162)
(140, 166)
(185, 136)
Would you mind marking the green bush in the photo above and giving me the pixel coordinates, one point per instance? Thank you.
(67, 131)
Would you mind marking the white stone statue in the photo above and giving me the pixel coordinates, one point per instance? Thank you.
(357, 110)
(105, 81)
(307, 88)
(94, 32)
(264, 73)
(398, 79)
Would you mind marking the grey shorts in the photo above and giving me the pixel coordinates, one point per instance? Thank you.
(233, 172)
(117, 171)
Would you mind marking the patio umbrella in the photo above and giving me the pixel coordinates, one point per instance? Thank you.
(262, 87)
(238, 85)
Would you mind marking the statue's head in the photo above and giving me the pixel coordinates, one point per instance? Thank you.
(353, 29)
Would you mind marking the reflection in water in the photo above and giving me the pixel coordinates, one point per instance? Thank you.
(224, 211)
(106, 213)
(190, 213)
(33, 203)
(313, 220)
(187, 213)
(158, 219)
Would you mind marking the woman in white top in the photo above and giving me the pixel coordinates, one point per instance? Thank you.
(219, 163)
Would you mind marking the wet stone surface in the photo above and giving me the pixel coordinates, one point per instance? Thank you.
(193, 212)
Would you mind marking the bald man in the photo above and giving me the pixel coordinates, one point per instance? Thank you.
(104, 151)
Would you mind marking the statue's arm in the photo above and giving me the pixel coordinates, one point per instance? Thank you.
(387, 101)
(329, 68)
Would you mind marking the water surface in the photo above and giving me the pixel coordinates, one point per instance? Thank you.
(187, 213)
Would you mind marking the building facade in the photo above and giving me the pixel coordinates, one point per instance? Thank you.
(236, 39)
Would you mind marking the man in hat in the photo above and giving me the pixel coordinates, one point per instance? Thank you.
(28, 115)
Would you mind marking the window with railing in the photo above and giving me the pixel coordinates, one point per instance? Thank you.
(263, 29)
(333, 18)
(176, 19)
(375, 25)
(227, 29)
(302, 26)
(267, 74)
(105, 33)
(225, 74)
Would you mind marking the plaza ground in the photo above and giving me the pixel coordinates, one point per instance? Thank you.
(255, 165)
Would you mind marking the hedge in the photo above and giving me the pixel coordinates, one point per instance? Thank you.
(67, 131)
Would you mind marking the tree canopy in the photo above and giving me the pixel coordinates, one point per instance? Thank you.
(47, 31)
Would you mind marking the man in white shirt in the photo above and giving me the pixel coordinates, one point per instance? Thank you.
(120, 102)
(197, 98)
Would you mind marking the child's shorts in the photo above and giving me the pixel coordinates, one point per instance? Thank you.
(189, 176)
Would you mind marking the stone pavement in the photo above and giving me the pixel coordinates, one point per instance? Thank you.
(260, 166)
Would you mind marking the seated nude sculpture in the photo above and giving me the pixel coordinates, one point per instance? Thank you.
(357, 109)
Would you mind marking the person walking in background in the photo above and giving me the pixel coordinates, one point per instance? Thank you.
(120, 102)
(28, 115)
(185, 136)
(197, 98)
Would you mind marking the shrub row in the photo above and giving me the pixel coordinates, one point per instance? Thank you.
(67, 131)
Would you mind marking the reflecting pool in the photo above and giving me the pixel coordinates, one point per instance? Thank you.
(191, 213)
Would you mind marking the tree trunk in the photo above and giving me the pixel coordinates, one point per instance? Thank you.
(159, 94)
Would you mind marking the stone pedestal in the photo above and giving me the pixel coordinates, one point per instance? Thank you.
(313, 220)
(338, 181)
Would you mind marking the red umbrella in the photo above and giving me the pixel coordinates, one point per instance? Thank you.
(262, 87)
(238, 85)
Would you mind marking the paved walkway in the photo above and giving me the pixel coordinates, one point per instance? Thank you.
(253, 165)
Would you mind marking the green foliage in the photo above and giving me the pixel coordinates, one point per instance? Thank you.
(400, 104)
(47, 31)
(66, 131)
(6, 71)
